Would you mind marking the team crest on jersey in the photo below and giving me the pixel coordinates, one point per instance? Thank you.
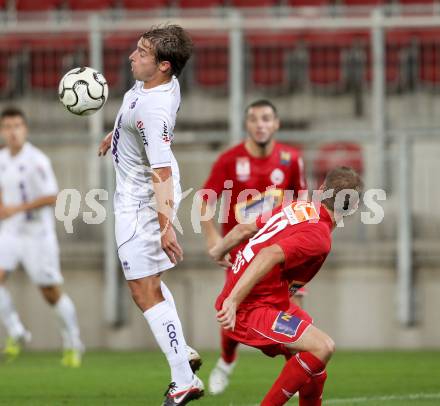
(277, 177)
(243, 169)
(141, 128)
(166, 135)
(285, 158)
(133, 103)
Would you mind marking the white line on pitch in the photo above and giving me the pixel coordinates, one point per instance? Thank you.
(410, 396)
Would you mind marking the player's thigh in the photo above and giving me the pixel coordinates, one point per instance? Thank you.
(139, 244)
(41, 259)
(313, 340)
(10, 248)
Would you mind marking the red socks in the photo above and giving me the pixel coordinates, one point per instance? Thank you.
(297, 372)
(311, 393)
(229, 348)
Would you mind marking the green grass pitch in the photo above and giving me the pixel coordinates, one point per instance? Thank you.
(140, 378)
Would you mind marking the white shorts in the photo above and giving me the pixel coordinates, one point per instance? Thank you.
(38, 254)
(139, 247)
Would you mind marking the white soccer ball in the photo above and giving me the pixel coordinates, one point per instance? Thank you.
(83, 91)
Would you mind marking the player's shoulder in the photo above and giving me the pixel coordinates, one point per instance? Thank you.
(320, 235)
(36, 155)
(294, 150)
(232, 153)
(3, 153)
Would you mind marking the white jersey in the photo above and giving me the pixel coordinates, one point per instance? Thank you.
(142, 138)
(23, 178)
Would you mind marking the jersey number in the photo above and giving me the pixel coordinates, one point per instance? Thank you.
(293, 214)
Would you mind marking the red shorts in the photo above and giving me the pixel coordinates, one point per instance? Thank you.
(269, 329)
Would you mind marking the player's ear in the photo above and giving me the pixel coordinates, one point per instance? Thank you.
(165, 67)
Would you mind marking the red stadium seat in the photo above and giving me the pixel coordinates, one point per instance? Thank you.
(397, 42)
(362, 2)
(211, 61)
(41, 5)
(254, 3)
(337, 154)
(268, 54)
(144, 4)
(10, 48)
(429, 56)
(200, 3)
(117, 49)
(325, 57)
(89, 4)
(416, 2)
(2, 4)
(51, 57)
(309, 3)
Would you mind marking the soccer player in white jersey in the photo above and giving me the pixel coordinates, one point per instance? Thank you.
(148, 193)
(27, 235)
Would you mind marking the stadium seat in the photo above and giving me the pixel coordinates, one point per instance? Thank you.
(269, 59)
(41, 5)
(211, 61)
(363, 2)
(309, 3)
(200, 3)
(52, 56)
(416, 2)
(429, 56)
(335, 154)
(326, 52)
(254, 3)
(397, 49)
(10, 50)
(144, 4)
(79, 5)
(117, 49)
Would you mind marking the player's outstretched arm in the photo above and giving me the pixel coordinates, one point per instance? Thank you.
(105, 144)
(238, 234)
(8, 211)
(261, 265)
(209, 228)
(164, 193)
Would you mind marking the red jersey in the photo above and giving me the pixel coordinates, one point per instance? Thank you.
(283, 169)
(303, 235)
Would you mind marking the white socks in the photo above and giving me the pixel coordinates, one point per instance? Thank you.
(167, 294)
(65, 310)
(9, 315)
(165, 325)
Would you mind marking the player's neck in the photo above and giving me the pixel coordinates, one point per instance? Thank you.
(15, 150)
(258, 151)
(331, 214)
(157, 81)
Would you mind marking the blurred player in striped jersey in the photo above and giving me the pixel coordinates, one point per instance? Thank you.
(284, 251)
(262, 164)
(27, 236)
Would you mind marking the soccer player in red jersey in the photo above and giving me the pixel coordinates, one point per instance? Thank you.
(282, 253)
(256, 164)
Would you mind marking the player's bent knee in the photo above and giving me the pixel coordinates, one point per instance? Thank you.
(51, 293)
(3, 276)
(328, 347)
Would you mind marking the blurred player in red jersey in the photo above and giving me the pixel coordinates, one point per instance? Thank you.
(260, 164)
(285, 251)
